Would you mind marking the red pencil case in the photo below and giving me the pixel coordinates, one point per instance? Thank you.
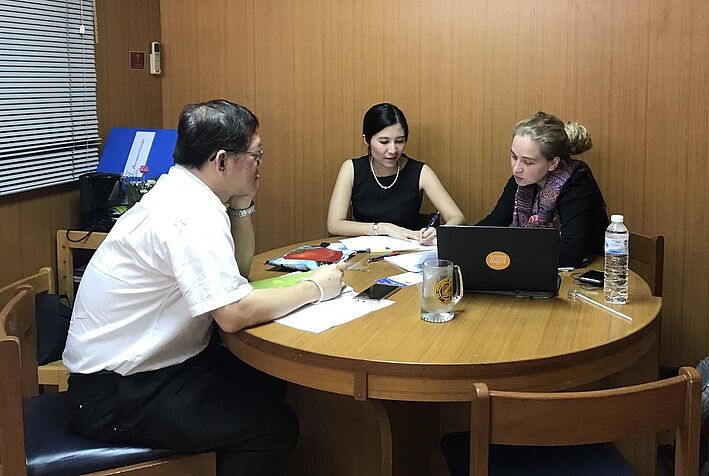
(315, 253)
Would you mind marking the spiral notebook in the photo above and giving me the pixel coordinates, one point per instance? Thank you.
(502, 260)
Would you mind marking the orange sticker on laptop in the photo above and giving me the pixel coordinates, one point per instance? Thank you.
(498, 260)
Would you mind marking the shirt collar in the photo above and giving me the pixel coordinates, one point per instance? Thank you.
(181, 172)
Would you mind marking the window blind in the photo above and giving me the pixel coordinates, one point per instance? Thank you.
(48, 122)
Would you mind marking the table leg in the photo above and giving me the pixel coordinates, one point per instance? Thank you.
(339, 435)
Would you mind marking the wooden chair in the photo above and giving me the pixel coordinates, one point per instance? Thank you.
(560, 433)
(34, 429)
(647, 256)
(53, 373)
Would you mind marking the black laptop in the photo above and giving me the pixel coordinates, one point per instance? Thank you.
(503, 260)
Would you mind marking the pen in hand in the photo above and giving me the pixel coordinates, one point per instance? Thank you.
(430, 224)
(432, 220)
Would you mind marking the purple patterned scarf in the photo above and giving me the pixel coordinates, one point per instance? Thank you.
(541, 212)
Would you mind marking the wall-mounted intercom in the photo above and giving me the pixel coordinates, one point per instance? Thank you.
(155, 58)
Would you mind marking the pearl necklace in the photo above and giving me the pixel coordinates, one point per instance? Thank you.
(398, 169)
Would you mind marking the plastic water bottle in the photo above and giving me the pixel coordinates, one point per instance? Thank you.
(615, 275)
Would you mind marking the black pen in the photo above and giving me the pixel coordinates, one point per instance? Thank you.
(381, 257)
(432, 221)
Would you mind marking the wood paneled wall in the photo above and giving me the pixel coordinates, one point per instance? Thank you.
(28, 225)
(28, 221)
(127, 98)
(634, 72)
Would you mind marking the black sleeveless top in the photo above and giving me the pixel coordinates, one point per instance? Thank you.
(399, 204)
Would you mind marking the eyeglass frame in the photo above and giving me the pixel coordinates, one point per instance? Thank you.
(257, 156)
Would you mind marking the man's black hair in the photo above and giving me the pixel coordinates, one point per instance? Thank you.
(206, 127)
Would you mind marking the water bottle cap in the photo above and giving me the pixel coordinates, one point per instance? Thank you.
(616, 218)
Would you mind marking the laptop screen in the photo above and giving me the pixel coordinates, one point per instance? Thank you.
(503, 260)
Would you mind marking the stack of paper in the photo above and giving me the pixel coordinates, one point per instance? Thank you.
(320, 317)
(382, 243)
(402, 280)
(412, 261)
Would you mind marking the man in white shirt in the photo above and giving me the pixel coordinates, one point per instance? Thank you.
(144, 367)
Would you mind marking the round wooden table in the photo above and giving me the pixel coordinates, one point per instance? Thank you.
(507, 342)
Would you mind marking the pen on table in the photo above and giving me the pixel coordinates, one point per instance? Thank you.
(381, 257)
(356, 252)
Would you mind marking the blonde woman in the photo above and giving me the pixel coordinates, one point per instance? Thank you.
(550, 188)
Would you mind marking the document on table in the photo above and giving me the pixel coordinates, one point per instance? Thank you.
(382, 243)
(402, 280)
(320, 317)
(412, 261)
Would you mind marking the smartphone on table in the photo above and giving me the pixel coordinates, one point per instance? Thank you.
(377, 292)
(592, 277)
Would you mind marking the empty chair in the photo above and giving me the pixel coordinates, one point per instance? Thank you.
(34, 429)
(647, 256)
(520, 433)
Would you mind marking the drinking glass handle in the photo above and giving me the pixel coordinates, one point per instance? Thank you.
(459, 275)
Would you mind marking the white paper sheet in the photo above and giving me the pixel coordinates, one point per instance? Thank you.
(403, 279)
(138, 155)
(412, 261)
(320, 317)
(382, 243)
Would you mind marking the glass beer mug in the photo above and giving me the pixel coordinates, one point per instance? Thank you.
(437, 298)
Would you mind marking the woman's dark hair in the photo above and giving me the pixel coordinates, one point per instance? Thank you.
(206, 127)
(382, 116)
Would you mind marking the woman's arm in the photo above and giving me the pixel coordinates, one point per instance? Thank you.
(501, 215)
(575, 207)
(337, 222)
(441, 200)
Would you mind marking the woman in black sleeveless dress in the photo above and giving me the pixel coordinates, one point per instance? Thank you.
(385, 187)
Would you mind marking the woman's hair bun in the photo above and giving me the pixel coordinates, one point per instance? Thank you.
(579, 138)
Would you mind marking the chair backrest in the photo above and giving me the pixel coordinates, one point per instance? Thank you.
(576, 418)
(41, 282)
(12, 433)
(647, 256)
(17, 319)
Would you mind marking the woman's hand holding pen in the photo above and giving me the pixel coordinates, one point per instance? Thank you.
(427, 236)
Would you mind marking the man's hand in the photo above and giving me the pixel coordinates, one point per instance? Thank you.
(330, 279)
(240, 202)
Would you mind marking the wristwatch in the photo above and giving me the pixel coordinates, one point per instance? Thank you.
(375, 228)
(241, 212)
